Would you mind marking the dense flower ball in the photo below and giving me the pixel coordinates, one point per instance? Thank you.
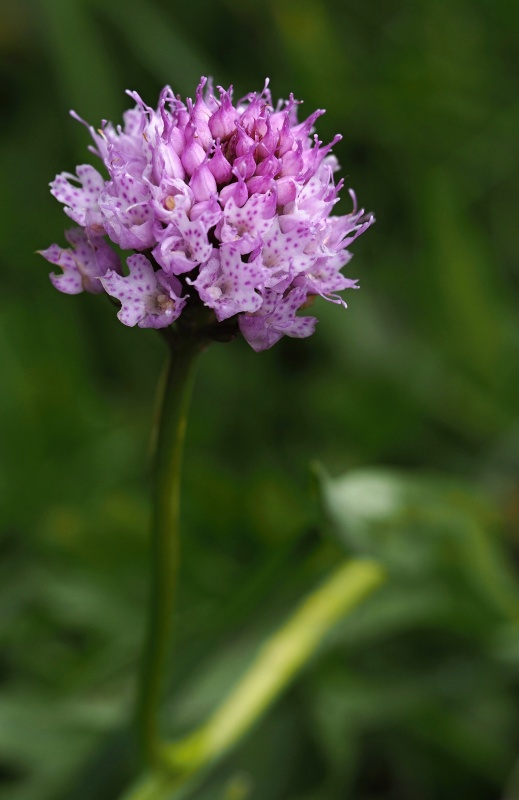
(222, 205)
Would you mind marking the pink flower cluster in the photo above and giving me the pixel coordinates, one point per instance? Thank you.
(222, 205)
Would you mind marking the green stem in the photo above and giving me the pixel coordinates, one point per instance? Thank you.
(279, 660)
(277, 663)
(169, 442)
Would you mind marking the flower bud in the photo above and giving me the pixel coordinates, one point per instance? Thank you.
(268, 142)
(287, 190)
(202, 183)
(238, 191)
(219, 166)
(245, 165)
(260, 184)
(286, 139)
(222, 122)
(243, 144)
(193, 156)
(293, 162)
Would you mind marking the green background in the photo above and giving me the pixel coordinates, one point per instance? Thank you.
(413, 393)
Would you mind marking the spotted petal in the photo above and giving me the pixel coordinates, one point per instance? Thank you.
(284, 254)
(228, 285)
(245, 225)
(277, 318)
(83, 264)
(149, 299)
(80, 195)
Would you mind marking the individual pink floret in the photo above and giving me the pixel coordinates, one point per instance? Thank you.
(149, 298)
(82, 265)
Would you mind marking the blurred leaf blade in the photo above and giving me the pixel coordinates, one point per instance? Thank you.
(84, 68)
(166, 52)
(422, 526)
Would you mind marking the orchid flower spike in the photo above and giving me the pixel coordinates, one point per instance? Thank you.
(218, 204)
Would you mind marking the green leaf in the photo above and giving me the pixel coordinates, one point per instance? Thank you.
(422, 527)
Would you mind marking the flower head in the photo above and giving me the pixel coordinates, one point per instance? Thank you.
(222, 205)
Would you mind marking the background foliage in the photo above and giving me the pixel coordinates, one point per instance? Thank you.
(411, 396)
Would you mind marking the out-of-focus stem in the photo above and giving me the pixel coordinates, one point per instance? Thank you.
(279, 660)
(277, 663)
